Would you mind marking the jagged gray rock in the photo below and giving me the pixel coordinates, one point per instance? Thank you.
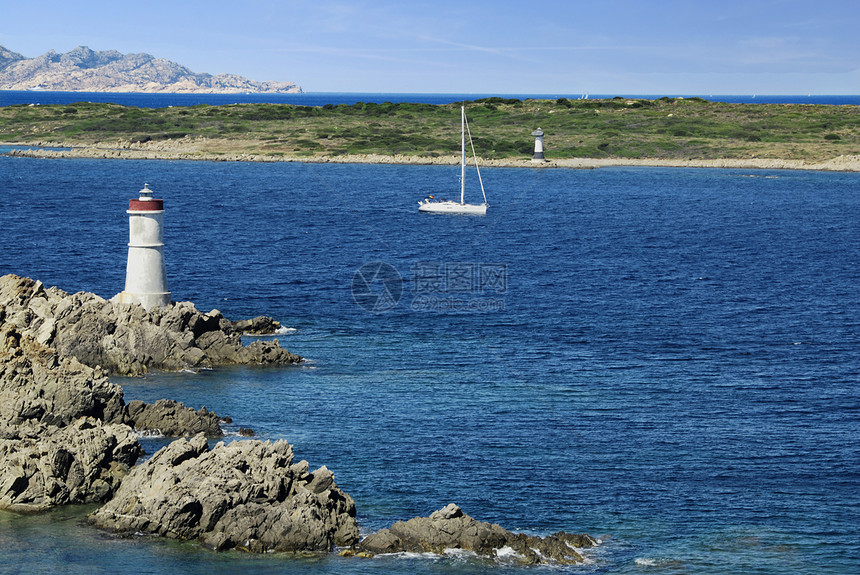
(125, 338)
(42, 466)
(450, 528)
(64, 439)
(260, 325)
(38, 384)
(64, 433)
(172, 419)
(86, 70)
(247, 495)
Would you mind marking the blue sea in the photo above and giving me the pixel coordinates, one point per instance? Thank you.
(13, 97)
(667, 359)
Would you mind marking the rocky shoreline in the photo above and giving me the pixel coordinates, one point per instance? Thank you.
(451, 528)
(246, 494)
(67, 436)
(201, 150)
(126, 339)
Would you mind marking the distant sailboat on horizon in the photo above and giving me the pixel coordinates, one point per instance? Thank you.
(430, 204)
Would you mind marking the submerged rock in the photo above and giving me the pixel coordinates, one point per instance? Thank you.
(247, 495)
(450, 528)
(128, 340)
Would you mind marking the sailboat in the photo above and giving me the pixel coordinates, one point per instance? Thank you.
(431, 204)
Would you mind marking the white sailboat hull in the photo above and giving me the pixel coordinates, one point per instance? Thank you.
(449, 207)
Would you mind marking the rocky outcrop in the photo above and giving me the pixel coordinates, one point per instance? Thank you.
(172, 419)
(62, 436)
(260, 325)
(65, 434)
(247, 495)
(37, 384)
(450, 528)
(66, 437)
(42, 466)
(9, 57)
(125, 338)
(65, 430)
(86, 70)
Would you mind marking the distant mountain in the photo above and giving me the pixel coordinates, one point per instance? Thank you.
(85, 70)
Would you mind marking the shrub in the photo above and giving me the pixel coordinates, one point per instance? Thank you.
(498, 100)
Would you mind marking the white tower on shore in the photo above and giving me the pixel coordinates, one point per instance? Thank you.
(538, 157)
(145, 279)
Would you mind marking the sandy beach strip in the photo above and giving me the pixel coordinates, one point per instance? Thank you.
(190, 151)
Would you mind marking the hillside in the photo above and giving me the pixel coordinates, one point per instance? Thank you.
(86, 70)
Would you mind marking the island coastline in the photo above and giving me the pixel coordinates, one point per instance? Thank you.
(667, 132)
(194, 151)
(68, 436)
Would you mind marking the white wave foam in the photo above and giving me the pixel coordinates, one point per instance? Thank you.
(283, 330)
(506, 552)
(450, 553)
(655, 562)
(150, 434)
(410, 555)
(459, 553)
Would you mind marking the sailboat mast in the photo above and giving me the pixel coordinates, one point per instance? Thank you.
(463, 160)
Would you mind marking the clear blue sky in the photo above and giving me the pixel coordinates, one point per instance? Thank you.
(661, 47)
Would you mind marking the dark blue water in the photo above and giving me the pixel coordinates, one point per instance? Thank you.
(664, 358)
(13, 97)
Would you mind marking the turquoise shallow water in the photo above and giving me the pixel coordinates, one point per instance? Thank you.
(664, 358)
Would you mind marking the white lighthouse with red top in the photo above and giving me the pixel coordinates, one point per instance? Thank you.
(145, 279)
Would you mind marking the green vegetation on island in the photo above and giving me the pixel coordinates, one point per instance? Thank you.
(666, 128)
